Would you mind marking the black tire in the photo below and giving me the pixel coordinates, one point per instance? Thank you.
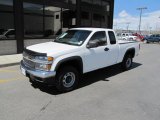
(127, 62)
(145, 41)
(67, 74)
(131, 39)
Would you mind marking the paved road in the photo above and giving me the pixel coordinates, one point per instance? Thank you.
(106, 94)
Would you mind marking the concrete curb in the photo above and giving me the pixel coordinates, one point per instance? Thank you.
(10, 60)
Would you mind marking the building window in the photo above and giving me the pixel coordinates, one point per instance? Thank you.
(96, 20)
(52, 21)
(97, 2)
(85, 19)
(72, 2)
(68, 1)
(86, 2)
(57, 16)
(6, 20)
(65, 1)
(102, 18)
(106, 5)
(96, 17)
(69, 18)
(104, 21)
(85, 15)
(33, 20)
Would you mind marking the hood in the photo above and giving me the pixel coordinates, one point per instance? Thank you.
(53, 48)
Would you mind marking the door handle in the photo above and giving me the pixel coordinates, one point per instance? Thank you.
(106, 49)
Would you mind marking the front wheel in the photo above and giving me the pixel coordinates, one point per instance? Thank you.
(67, 79)
(127, 62)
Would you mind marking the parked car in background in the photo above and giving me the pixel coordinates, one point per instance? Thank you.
(128, 36)
(118, 36)
(145, 37)
(8, 34)
(153, 38)
(139, 36)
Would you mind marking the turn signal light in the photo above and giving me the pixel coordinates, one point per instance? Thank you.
(50, 59)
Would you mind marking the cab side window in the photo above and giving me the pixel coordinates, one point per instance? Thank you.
(112, 37)
(100, 37)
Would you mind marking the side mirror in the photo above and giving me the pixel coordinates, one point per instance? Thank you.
(92, 44)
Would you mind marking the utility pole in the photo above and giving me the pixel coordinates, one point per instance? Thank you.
(140, 19)
(115, 26)
(150, 28)
(128, 23)
(158, 27)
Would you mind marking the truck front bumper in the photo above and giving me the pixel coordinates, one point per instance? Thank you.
(37, 75)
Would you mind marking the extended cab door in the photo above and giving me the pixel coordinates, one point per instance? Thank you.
(113, 47)
(97, 57)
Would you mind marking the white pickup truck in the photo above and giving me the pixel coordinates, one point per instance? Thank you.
(127, 36)
(77, 51)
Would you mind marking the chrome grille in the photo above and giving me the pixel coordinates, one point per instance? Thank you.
(29, 63)
(27, 60)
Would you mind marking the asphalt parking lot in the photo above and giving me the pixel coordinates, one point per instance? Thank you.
(107, 94)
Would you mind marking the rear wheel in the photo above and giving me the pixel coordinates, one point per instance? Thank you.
(131, 39)
(145, 41)
(148, 42)
(67, 79)
(127, 62)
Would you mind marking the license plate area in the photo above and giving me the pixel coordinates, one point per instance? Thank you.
(23, 71)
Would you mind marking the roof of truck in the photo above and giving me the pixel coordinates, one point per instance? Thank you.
(91, 29)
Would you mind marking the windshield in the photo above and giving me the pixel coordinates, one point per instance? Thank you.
(73, 37)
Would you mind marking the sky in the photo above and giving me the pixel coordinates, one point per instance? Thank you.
(126, 13)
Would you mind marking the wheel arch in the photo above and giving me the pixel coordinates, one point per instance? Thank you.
(130, 51)
(75, 61)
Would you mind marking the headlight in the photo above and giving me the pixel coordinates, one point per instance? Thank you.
(41, 58)
(41, 66)
(43, 63)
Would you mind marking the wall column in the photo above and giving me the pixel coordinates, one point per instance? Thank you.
(78, 9)
(19, 24)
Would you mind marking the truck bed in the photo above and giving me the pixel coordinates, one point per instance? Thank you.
(124, 45)
(126, 41)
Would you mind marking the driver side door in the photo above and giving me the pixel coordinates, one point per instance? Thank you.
(96, 57)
